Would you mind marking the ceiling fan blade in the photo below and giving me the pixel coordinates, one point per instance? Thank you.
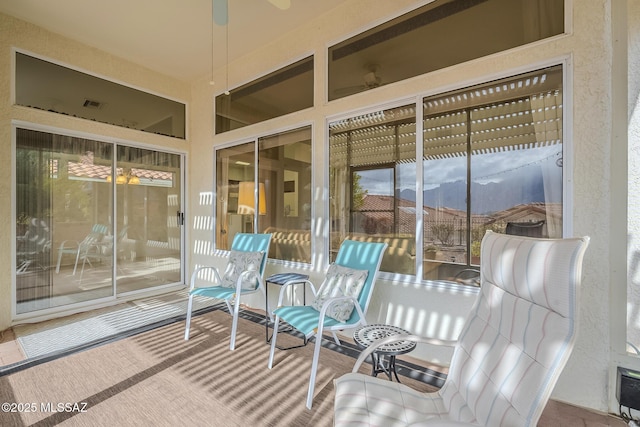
(281, 4)
(220, 12)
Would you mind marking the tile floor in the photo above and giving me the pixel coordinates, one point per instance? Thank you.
(10, 351)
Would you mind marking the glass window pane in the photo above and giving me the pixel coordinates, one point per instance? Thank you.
(284, 179)
(372, 184)
(498, 145)
(282, 92)
(148, 203)
(63, 205)
(47, 86)
(445, 191)
(435, 36)
(68, 246)
(235, 177)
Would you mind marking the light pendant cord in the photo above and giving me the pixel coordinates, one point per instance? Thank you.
(226, 92)
(212, 81)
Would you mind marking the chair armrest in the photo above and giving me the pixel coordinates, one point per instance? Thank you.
(395, 338)
(194, 275)
(64, 242)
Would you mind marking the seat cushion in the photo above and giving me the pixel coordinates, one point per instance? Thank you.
(340, 281)
(240, 261)
(220, 292)
(365, 400)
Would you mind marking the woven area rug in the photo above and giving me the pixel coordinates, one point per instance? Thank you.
(157, 378)
(61, 335)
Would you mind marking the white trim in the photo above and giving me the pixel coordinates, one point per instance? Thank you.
(280, 66)
(255, 139)
(26, 52)
(371, 25)
(61, 310)
(14, 237)
(93, 74)
(567, 144)
(66, 310)
(98, 137)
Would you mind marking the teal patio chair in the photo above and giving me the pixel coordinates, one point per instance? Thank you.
(340, 303)
(243, 275)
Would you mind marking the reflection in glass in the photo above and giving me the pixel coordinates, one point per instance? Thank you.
(48, 86)
(284, 171)
(435, 36)
(62, 219)
(491, 159)
(149, 218)
(235, 169)
(372, 186)
(281, 199)
(68, 248)
(498, 145)
(282, 92)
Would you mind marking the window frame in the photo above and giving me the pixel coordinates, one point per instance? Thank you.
(255, 139)
(566, 64)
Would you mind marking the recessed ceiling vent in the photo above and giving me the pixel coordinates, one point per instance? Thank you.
(92, 104)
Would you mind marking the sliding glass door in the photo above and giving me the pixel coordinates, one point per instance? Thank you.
(149, 219)
(93, 220)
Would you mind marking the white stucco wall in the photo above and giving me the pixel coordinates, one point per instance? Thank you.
(631, 298)
(587, 52)
(634, 173)
(17, 34)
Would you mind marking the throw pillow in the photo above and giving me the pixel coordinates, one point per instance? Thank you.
(340, 281)
(239, 262)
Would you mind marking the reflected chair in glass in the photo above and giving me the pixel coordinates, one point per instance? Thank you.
(325, 314)
(509, 354)
(530, 229)
(244, 274)
(80, 248)
(103, 250)
(468, 276)
(32, 248)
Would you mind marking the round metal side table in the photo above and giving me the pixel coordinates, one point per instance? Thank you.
(384, 357)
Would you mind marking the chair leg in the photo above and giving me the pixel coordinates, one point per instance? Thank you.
(59, 261)
(314, 369)
(234, 323)
(75, 267)
(84, 261)
(335, 338)
(188, 325)
(273, 340)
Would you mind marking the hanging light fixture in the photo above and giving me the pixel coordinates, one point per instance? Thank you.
(226, 92)
(125, 178)
(220, 10)
(212, 81)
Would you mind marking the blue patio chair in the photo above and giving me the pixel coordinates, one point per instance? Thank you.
(244, 275)
(340, 303)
